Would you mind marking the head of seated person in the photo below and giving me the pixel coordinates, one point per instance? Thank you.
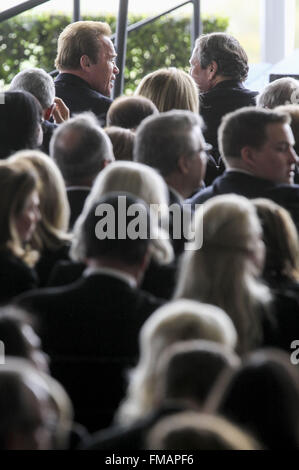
(179, 320)
(36, 413)
(217, 57)
(129, 111)
(262, 396)
(86, 50)
(81, 149)
(282, 91)
(19, 209)
(40, 84)
(17, 332)
(281, 241)
(173, 144)
(54, 209)
(20, 122)
(122, 142)
(170, 88)
(187, 371)
(106, 236)
(260, 142)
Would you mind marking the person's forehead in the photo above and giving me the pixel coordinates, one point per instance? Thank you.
(278, 131)
(106, 46)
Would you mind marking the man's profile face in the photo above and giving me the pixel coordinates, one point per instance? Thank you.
(275, 160)
(101, 75)
(199, 75)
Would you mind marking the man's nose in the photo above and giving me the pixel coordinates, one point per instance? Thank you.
(115, 70)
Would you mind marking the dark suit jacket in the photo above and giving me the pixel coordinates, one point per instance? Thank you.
(253, 187)
(90, 329)
(76, 197)
(15, 276)
(225, 97)
(79, 96)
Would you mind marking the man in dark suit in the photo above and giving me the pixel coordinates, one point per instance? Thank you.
(219, 66)
(98, 317)
(257, 147)
(81, 150)
(86, 62)
(173, 144)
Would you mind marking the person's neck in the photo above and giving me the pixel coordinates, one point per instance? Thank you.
(78, 72)
(176, 184)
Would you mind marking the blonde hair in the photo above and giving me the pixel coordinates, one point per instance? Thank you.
(223, 271)
(142, 182)
(51, 231)
(176, 321)
(170, 88)
(17, 183)
(77, 39)
(198, 431)
(280, 237)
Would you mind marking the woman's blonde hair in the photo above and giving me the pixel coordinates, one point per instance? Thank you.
(17, 183)
(281, 239)
(180, 320)
(51, 231)
(224, 270)
(141, 181)
(170, 88)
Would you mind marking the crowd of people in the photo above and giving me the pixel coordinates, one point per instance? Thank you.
(149, 254)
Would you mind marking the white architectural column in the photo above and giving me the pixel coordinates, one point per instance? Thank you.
(277, 29)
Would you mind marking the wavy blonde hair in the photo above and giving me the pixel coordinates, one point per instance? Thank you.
(51, 232)
(170, 88)
(180, 320)
(224, 271)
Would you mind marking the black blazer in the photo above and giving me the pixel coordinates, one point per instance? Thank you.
(15, 276)
(80, 97)
(90, 329)
(252, 187)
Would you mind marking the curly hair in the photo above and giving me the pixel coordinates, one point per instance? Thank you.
(226, 51)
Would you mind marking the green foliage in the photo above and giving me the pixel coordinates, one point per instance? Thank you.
(30, 41)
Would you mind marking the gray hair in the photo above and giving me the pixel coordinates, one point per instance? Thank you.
(80, 147)
(38, 83)
(282, 91)
(226, 51)
(162, 139)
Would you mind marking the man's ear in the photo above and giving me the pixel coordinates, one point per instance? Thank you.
(248, 156)
(183, 164)
(212, 70)
(85, 62)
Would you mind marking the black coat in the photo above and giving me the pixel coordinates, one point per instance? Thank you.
(90, 329)
(15, 276)
(80, 97)
(225, 97)
(252, 187)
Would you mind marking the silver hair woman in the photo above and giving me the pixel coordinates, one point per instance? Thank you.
(224, 271)
(139, 180)
(180, 320)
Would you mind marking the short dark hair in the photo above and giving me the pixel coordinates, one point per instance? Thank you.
(246, 126)
(20, 116)
(226, 51)
(124, 249)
